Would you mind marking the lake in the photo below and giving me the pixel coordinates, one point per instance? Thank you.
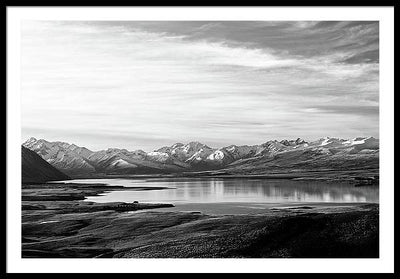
(216, 195)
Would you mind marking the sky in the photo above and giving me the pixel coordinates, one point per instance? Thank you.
(148, 84)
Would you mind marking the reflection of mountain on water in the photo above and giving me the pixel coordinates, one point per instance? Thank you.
(243, 190)
(275, 190)
(301, 191)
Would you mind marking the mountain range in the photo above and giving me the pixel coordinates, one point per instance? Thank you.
(37, 170)
(270, 157)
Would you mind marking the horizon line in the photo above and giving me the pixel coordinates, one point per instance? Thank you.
(194, 141)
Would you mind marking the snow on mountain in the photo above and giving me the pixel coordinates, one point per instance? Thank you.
(31, 141)
(193, 147)
(35, 169)
(158, 156)
(61, 155)
(120, 163)
(270, 148)
(186, 152)
(239, 152)
(200, 156)
(216, 155)
(323, 154)
(328, 142)
(364, 143)
(196, 156)
(355, 141)
(296, 142)
(73, 159)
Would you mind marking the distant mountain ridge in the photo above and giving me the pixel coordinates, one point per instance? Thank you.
(194, 156)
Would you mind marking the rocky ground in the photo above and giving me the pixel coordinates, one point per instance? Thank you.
(57, 222)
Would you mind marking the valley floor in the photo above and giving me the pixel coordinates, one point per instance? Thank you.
(57, 222)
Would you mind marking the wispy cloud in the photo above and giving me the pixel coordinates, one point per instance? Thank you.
(162, 82)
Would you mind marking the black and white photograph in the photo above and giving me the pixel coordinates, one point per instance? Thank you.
(202, 138)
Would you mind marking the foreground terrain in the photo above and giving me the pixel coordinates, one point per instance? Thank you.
(57, 222)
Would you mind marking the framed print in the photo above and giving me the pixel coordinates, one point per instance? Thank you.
(200, 139)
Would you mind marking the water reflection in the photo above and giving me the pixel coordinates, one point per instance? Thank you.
(235, 190)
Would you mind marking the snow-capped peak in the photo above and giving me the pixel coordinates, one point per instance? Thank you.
(354, 141)
(325, 141)
(31, 140)
(178, 144)
(298, 141)
(216, 155)
(329, 140)
(158, 154)
(360, 140)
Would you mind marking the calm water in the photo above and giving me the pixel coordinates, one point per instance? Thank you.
(202, 194)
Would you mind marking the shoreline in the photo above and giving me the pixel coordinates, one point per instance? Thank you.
(75, 228)
(327, 175)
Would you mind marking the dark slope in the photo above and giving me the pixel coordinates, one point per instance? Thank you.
(37, 170)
